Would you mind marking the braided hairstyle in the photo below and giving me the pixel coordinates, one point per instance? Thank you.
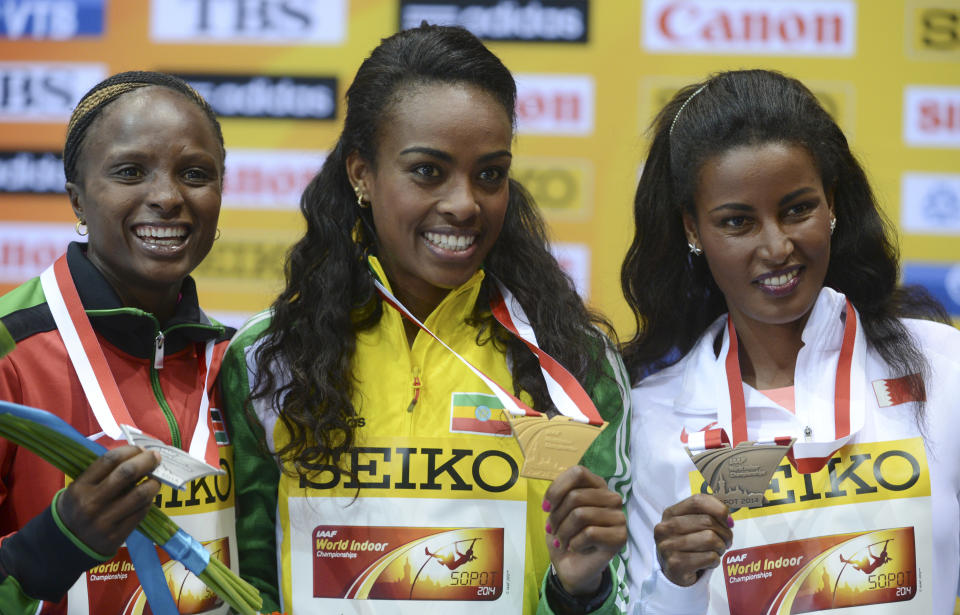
(93, 103)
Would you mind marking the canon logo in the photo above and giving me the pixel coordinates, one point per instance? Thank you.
(555, 104)
(28, 249)
(788, 27)
(268, 179)
(31, 172)
(268, 96)
(931, 116)
(504, 20)
(249, 21)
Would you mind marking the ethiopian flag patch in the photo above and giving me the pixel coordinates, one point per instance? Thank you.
(478, 413)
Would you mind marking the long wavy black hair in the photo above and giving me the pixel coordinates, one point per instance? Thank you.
(673, 295)
(329, 294)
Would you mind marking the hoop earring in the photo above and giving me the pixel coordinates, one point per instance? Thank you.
(360, 202)
(696, 251)
(77, 226)
(833, 224)
(217, 236)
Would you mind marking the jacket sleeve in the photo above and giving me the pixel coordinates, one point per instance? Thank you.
(256, 478)
(607, 457)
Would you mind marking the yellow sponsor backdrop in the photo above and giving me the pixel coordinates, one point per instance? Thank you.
(585, 183)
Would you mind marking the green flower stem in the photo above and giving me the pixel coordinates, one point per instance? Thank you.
(72, 458)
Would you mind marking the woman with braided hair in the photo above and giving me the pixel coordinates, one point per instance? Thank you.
(144, 161)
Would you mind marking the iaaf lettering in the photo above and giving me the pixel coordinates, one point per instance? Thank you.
(252, 16)
(940, 29)
(206, 490)
(860, 474)
(784, 23)
(453, 465)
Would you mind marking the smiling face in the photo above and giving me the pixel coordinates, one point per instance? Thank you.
(149, 186)
(438, 188)
(763, 221)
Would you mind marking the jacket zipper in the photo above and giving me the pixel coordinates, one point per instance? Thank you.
(417, 385)
(158, 351)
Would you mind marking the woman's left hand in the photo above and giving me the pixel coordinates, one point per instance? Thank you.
(585, 530)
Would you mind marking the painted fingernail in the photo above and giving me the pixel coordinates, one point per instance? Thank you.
(546, 506)
(729, 521)
(556, 543)
(549, 528)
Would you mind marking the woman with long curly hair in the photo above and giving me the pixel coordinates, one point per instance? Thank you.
(392, 481)
(763, 276)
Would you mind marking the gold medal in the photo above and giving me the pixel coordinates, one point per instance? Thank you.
(550, 446)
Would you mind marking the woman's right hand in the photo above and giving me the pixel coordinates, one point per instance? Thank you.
(105, 503)
(692, 537)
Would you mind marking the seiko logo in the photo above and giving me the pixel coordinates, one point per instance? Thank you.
(941, 281)
(860, 474)
(555, 104)
(560, 186)
(39, 92)
(563, 21)
(201, 492)
(31, 172)
(237, 257)
(788, 27)
(249, 21)
(50, 19)
(268, 96)
(454, 470)
(931, 116)
(574, 259)
(268, 179)
(28, 249)
(930, 203)
(940, 28)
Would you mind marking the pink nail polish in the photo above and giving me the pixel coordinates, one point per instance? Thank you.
(729, 521)
(556, 543)
(549, 528)
(546, 506)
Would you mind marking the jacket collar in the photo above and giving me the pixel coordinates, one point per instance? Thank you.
(130, 329)
(704, 377)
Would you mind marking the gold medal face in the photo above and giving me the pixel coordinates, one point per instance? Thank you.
(550, 446)
(739, 475)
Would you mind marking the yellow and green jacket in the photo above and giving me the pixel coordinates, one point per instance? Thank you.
(437, 509)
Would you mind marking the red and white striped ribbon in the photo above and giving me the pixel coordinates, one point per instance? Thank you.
(96, 379)
(566, 393)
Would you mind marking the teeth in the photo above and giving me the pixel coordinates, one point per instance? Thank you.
(780, 280)
(161, 232)
(454, 243)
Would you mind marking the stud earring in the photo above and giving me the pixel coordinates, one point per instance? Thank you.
(77, 226)
(360, 202)
(833, 224)
(696, 251)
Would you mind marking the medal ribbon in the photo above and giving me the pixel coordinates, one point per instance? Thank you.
(738, 413)
(99, 385)
(566, 393)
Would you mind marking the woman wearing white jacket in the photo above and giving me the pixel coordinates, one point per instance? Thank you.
(763, 276)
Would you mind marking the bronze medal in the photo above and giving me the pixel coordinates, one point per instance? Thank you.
(740, 475)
